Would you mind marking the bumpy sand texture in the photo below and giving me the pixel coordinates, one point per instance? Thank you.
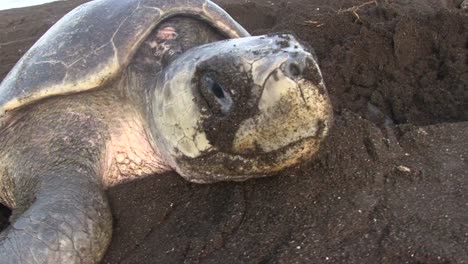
(389, 185)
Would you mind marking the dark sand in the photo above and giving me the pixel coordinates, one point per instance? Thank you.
(390, 184)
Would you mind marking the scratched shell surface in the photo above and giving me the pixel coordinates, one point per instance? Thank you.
(91, 44)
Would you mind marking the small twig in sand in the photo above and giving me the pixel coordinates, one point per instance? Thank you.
(313, 22)
(354, 9)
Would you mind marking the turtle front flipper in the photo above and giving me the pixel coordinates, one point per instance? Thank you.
(68, 222)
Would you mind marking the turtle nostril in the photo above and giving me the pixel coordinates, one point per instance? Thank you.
(294, 70)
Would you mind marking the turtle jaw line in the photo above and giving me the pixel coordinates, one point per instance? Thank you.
(241, 167)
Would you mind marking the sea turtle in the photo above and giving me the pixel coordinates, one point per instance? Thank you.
(118, 90)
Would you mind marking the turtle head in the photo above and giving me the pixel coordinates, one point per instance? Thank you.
(240, 108)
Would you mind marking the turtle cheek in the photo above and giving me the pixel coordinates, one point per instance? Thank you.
(175, 113)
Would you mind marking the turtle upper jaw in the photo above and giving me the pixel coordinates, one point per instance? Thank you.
(291, 107)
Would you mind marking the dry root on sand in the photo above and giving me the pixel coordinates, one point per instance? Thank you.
(354, 9)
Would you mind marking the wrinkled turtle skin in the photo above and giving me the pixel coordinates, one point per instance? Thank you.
(119, 90)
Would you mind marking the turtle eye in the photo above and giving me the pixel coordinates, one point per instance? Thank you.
(217, 90)
(216, 96)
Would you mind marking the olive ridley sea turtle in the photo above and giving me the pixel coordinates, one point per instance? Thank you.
(118, 90)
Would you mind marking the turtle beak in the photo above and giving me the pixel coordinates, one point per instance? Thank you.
(293, 105)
